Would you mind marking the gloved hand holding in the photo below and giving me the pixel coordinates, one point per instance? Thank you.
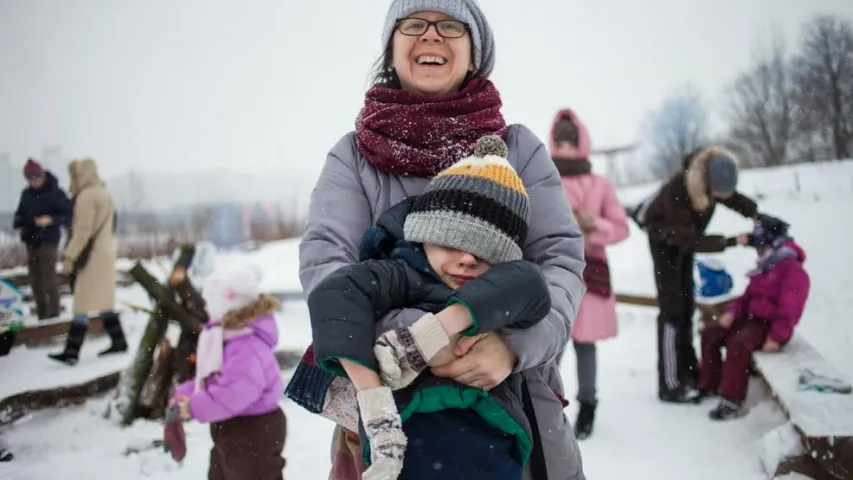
(511, 293)
(406, 352)
(384, 430)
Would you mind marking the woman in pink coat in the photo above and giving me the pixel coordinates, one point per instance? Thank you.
(604, 222)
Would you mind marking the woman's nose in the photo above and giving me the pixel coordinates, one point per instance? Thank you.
(431, 35)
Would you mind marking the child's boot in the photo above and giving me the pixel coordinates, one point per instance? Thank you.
(112, 325)
(5, 454)
(726, 410)
(585, 420)
(76, 335)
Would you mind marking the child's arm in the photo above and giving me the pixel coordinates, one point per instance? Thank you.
(184, 390)
(362, 377)
(382, 423)
(511, 294)
(239, 384)
(344, 309)
(786, 313)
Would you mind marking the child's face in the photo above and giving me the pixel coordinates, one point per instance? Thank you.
(453, 266)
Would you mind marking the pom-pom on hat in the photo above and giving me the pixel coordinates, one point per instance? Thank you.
(478, 205)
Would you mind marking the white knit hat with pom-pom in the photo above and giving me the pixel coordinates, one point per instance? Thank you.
(231, 289)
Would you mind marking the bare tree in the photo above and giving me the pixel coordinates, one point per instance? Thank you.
(823, 74)
(760, 109)
(677, 128)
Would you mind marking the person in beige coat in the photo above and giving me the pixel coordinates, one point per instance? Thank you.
(93, 279)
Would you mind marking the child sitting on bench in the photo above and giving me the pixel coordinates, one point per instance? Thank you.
(763, 317)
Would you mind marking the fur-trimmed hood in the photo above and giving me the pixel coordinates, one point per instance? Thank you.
(696, 176)
(258, 317)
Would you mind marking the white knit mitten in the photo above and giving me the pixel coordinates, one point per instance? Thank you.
(406, 352)
(384, 430)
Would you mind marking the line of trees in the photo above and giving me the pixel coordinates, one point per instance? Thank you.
(786, 108)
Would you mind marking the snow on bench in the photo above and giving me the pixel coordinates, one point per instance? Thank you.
(824, 420)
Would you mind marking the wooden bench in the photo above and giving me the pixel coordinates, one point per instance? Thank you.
(824, 421)
(47, 331)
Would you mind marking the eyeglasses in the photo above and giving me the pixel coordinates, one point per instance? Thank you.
(415, 27)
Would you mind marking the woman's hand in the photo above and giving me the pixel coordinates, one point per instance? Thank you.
(485, 362)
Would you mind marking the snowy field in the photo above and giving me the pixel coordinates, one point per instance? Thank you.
(636, 436)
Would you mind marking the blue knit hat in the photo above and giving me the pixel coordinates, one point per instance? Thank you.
(463, 10)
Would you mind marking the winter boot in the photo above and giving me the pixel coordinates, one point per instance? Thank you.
(112, 325)
(585, 420)
(683, 394)
(76, 335)
(5, 454)
(726, 410)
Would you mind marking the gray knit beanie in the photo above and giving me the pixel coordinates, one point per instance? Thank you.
(464, 10)
(478, 205)
(722, 174)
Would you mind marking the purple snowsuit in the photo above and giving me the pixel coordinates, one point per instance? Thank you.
(241, 404)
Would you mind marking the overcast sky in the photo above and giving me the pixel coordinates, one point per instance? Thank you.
(270, 85)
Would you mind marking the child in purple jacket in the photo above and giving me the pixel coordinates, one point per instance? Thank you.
(238, 383)
(763, 317)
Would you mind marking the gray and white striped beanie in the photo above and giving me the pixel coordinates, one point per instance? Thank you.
(478, 205)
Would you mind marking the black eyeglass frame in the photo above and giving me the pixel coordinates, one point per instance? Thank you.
(431, 24)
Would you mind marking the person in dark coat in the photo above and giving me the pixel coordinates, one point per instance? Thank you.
(456, 244)
(676, 219)
(43, 209)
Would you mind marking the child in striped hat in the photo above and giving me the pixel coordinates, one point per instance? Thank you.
(457, 246)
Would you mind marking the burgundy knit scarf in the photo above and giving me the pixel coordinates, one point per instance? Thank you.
(408, 134)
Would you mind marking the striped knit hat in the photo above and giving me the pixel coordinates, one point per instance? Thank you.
(477, 205)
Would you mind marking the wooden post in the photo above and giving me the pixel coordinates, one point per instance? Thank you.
(134, 378)
(155, 393)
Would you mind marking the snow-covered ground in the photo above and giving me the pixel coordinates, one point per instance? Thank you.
(636, 436)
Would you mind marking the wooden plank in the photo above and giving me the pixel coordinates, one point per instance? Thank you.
(22, 280)
(824, 420)
(639, 300)
(817, 414)
(47, 330)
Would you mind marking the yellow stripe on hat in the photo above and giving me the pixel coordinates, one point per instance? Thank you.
(498, 172)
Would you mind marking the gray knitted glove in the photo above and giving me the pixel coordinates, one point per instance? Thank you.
(406, 352)
(384, 430)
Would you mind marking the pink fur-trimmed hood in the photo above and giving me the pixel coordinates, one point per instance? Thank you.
(584, 142)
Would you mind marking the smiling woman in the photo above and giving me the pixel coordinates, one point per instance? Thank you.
(431, 101)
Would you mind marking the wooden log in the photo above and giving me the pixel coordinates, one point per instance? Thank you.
(165, 299)
(155, 392)
(184, 358)
(182, 264)
(127, 396)
(18, 405)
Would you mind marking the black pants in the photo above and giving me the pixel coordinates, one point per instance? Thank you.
(677, 362)
(41, 262)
